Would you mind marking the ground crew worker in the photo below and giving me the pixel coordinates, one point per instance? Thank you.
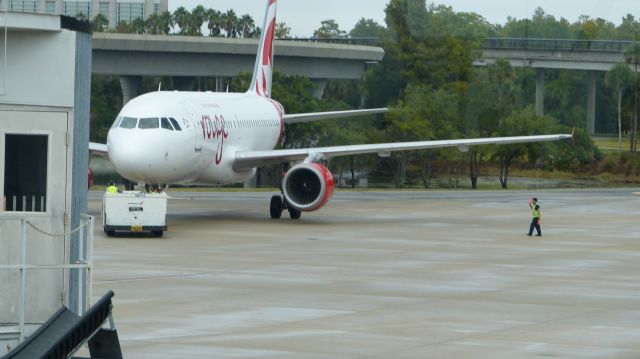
(112, 188)
(536, 217)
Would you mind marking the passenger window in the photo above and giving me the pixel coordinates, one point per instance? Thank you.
(164, 122)
(148, 123)
(175, 124)
(128, 122)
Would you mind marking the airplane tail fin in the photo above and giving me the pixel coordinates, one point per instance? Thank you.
(263, 70)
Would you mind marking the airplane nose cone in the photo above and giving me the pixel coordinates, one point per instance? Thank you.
(135, 159)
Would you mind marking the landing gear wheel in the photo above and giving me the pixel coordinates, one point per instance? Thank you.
(276, 207)
(294, 213)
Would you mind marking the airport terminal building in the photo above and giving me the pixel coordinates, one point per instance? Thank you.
(114, 10)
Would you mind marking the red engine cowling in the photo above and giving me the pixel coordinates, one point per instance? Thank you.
(308, 186)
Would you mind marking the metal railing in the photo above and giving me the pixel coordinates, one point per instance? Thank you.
(556, 44)
(367, 41)
(85, 241)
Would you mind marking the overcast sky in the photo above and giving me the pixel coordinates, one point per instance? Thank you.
(304, 16)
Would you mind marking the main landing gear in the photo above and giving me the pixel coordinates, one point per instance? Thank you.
(155, 188)
(279, 204)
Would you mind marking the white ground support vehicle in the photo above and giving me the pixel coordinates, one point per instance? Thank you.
(134, 211)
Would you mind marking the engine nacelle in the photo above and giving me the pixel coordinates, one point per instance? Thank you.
(308, 186)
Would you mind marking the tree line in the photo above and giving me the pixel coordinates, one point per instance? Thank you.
(428, 80)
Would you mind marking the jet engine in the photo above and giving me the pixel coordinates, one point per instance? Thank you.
(308, 186)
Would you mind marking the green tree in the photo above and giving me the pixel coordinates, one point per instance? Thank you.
(521, 123)
(229, 21)
(367, 28)
(214, 18)
(196, 20)
(632, 56)
(619, 78)
(165, 23)
(247, 26)
(100, 23)
(137, 26)
(181, 18)
(152, 24)
(282, 31)
(329, 29)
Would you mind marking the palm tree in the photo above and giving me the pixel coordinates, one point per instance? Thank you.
(632, 56)
(283, 31)
(100, 23)
(152, 24)
(247, 25)
(619, 78)
(197, 19)
(165, 22)
(181, 18)
(213, 18)
(138, 25)
(229, 21)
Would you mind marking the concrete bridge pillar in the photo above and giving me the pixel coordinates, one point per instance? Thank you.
(130, 86)
(321, 84)
(591, 103)
(540, 92)
(183, 83)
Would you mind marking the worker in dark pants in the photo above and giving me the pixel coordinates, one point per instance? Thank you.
(536, 217)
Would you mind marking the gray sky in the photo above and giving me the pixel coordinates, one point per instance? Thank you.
(304, 16)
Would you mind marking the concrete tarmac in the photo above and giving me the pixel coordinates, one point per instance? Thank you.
(380, 275)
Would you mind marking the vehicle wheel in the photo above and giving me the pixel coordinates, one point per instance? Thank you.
(157, 233)
(294, 213)
(128, 185)
(276, 207)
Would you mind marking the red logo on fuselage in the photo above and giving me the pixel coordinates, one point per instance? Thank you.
(214, 129)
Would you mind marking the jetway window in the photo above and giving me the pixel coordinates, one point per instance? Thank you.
(25, 172)
(50, 7)
(164, 122)
(128, 122)
(22, 5)
(148, 123)
(175, 124)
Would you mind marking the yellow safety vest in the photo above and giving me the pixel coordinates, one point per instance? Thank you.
(534, 210)
(112, 189)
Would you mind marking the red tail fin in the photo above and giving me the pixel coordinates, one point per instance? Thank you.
(263, 70)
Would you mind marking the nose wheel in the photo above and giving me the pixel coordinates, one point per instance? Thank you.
(279, 204)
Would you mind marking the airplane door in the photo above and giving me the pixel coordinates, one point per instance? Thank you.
(195, 123)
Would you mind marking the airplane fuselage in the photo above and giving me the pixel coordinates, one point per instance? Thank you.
(191, 137)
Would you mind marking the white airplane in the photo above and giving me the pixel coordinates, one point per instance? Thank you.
(172, 137)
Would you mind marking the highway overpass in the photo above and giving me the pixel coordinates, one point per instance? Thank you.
(131, 56)
(541, 54)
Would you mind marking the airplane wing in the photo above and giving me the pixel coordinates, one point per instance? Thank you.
(314, 116)
(250, 159)
(98, 149)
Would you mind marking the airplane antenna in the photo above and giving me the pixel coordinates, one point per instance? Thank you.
(159, 86)
(227, 87)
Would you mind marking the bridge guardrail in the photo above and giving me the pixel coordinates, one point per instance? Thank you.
(556, 44)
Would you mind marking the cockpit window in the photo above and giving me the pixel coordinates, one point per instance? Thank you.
(128, 122)
(175, 124)
(147, 123)
(164, 122)
(116, 122)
